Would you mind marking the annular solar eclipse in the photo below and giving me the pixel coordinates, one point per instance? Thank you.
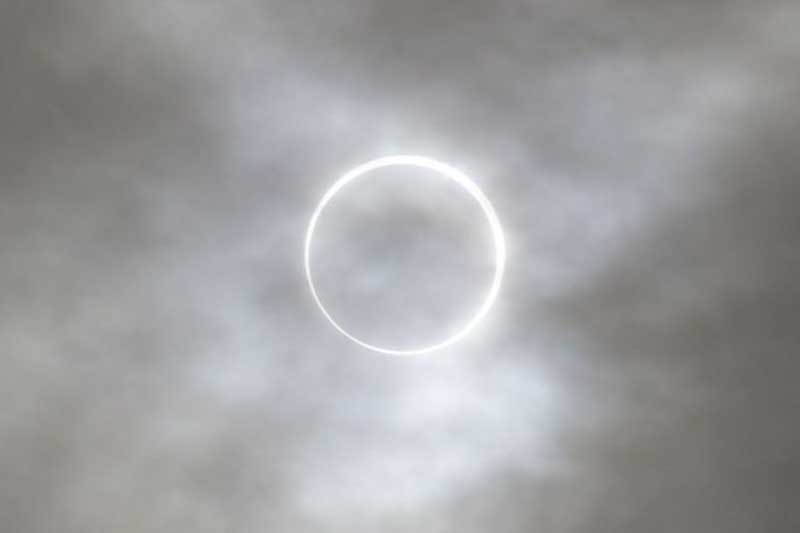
(499, 249)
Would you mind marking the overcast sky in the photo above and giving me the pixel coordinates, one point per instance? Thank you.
(163, 367)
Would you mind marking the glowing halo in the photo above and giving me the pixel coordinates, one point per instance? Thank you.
(450, 173)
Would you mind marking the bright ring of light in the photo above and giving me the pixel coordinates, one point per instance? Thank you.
(450, 173)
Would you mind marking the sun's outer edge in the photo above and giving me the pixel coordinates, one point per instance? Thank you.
(448, 172)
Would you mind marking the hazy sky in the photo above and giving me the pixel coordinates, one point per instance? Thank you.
(163, 367)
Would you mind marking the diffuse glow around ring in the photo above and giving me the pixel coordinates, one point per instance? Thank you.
(450, 173)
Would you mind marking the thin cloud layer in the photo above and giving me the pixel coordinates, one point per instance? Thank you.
(164, 367)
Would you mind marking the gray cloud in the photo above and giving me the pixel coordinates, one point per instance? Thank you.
(165, 369)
